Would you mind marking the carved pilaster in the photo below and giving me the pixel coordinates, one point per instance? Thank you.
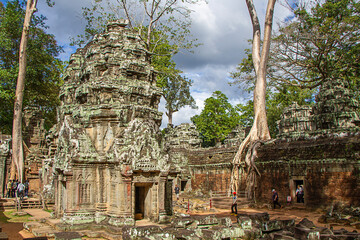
(161, 195)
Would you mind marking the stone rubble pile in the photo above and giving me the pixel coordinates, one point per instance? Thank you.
(342, 215)
(248, 226)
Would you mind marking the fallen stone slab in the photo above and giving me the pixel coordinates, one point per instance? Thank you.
(306, 223)
(256, 217)
(44, 231)
(67, 236)
(129, 232)
(277, 225)
(252, 220)
(304, 233)
(246, 222)
(201, 221)
(282, 236)
(179, 234)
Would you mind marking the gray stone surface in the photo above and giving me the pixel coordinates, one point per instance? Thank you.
(110, 161)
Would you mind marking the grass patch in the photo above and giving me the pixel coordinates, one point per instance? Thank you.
(11, 216)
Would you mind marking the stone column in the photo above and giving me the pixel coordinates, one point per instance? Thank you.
(71, 202)
(100, 185)
(161, 196)
(57, 196)
(128, 196)
(127, 190)
(3, 157)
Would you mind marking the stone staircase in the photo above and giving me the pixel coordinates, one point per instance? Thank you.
(10, 203)
(222, 201)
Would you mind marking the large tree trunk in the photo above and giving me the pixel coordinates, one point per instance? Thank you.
(170, 117)
(260, 131)
(17, 147)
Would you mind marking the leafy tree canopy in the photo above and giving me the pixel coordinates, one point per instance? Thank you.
(43, 67)
(155, 20)
(217, 119)
(321, 44)
(276, 102)
(175, 87)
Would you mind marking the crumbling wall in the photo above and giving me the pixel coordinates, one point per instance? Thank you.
(328, 167)
(210, 169)
(5, 155)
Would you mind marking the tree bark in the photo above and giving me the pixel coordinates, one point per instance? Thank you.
(259, 131)
(170, 117)
(17, 147)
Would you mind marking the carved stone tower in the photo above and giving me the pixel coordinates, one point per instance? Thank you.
(110, 164)
(336, 107)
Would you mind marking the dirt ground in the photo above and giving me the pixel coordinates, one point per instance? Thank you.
(10, 228)
(297, 212)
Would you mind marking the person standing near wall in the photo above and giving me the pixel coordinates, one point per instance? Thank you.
(13, 188)
(275, 198)
(234, 204)
(26, 188)
(20, 190)
(177, 191)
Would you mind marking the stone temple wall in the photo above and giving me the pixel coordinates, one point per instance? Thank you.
(210, 170)
(110, 164)
(35, 151)
(323, 158)
(328, 169)
(5, 158)
(201, 170)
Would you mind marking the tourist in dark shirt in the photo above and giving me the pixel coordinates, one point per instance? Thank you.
(275, 198)
(177, 191)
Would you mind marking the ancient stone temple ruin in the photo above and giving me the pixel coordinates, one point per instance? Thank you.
(318, 148)
(35, 151)
(110, 164)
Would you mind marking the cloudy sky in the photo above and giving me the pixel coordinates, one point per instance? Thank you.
(222, 26)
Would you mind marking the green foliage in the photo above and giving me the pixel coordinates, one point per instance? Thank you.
(175, 87)
(282, 98)
(217, 119)
(276, 103)
(10, 216)
(155, 20)
(246, 113)
(43, 68)
(321, 44)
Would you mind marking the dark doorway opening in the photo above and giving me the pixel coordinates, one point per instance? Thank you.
(143, 201)
(183, 185)
(142, 204)
(139, 202)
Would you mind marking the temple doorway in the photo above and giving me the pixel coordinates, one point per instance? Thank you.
(294, 186)
(183, 185)
(142, 201)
